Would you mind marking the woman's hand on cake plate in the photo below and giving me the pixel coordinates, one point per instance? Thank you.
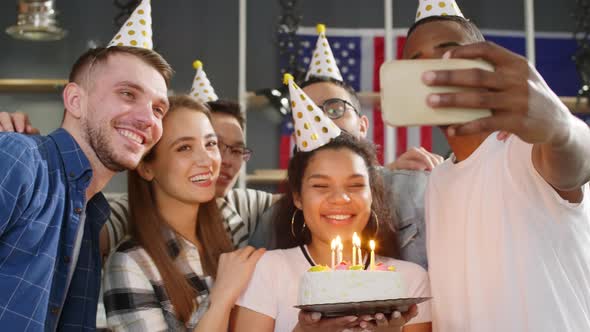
(396, 320)
(382, 322)
(313, 321)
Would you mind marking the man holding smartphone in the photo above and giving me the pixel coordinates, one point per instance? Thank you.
(508, 223)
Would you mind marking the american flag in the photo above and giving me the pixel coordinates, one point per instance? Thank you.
(287, 142)
(359, 54)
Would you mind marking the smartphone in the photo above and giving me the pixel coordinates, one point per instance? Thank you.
(403, 94)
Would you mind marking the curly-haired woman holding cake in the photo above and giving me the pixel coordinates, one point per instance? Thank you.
(333, 189)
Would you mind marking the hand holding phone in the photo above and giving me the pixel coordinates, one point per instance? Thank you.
(403, 94)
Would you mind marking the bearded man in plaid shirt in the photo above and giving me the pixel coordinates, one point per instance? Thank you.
(51, 208)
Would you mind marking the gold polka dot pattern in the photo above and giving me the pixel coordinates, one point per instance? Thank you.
(324, 63)
(202, 85)
(137, 30)
(312, 127)
(428, 8)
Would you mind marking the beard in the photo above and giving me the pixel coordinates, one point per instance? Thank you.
(98, 139)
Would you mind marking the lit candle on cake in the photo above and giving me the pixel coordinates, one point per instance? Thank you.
(333, 245)
(358, 248)
(354, 237)
(372, 265)
(339, 244)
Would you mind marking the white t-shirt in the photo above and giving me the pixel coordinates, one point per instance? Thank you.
(274, 287)
(505, 251)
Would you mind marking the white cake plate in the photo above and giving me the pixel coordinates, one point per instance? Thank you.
(329, 310)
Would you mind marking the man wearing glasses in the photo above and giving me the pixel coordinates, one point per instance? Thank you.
(241, 208)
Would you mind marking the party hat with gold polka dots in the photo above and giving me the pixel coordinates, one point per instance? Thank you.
(427, 8)
(312, 127)
(137, 31)
(323, 62)
(202, 89)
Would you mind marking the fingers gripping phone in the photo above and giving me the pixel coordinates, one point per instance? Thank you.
(403, 94)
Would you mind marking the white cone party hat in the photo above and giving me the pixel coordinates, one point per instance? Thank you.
(202, 89)
(427, 8)
(312, 127)
(137, 30)
(323, 62)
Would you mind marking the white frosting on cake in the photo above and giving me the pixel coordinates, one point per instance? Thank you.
(350, 286)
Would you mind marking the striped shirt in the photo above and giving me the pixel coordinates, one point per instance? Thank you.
(134, 295)
(240, 209)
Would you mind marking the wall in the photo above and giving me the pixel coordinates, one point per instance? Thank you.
(186, 29)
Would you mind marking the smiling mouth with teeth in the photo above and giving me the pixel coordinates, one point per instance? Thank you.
(132, 136)
(339, 216)
(201, 178)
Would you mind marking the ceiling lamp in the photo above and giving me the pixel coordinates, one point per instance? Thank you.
(36, 21)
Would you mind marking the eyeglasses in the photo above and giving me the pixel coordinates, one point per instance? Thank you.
(237, 152)
(336, 107)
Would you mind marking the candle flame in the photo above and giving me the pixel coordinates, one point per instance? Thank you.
(356, 240)
(372, 244)
(333, 244)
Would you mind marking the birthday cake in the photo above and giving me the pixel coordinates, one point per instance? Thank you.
(344, 283)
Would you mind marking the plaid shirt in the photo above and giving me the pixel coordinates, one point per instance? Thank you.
(43, 180)
(134, 295)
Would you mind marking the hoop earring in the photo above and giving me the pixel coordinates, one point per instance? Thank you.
(376, 222)
(293, 222)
